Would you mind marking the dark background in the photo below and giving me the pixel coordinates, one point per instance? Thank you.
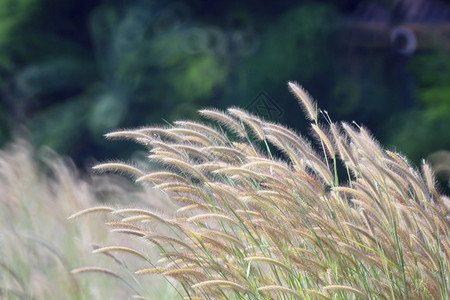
(72, 70)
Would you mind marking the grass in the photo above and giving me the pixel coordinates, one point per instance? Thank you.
(250, 210)
(40, 249)
(262, 213)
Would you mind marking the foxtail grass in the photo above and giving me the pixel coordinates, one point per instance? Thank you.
(263, 215)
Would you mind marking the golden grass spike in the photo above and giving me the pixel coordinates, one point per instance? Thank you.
(136, 218)
(163, 176)
(184, 272)
(400, 159)
(174, 186)
(139, 233)
(221, 117)
(186, 133)
(122, 249)
(95, 270)
(369, 235)
(140, 211)
(220, 150)
(426, 249)
(192, 151)
(429, 176)
(319, 167)
(225, 190)
(285, 140)
(287, 131)
(119, 166)
(270, 164)
(355, 192)
(183, 165)
(187, 208)
(91, 210)
(157, 270)
(252, 121)
(157, 132)
(123, 225)
(244, 173)
(211, 166)
(131, 134)
(371, 142)
(247, 149)
(202, 127)
(166, 148)
(248, 213)
(305, 100)
(325, 139)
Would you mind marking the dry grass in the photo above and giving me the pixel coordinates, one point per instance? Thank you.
(39, 248)
(254, 223)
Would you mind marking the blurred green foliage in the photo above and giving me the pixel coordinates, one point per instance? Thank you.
(432, 71)
(72, 70)
(423, 129)
(12, 14)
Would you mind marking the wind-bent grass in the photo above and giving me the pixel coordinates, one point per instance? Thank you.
(39, 248)
(255, 225)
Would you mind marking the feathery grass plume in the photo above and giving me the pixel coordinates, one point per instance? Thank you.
(126, 134)
(288, 138)
(199, 127)
(160, 147)
(323, 137)
(120, 248)
(137, 212)
(191, 135)
(194, 153)
(95, 269)
(224, 119)
(160, 177)
(226, 154)
(305, 100)
(252, 224)
(119, 167)
(90, 210)
(159, 133)
(252, 121)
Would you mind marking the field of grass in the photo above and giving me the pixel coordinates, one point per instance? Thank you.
(40, 248)
(250, 210)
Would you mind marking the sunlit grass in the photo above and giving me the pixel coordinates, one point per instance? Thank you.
(250, 210)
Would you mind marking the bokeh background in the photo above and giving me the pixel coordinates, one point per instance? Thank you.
(72, 70)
